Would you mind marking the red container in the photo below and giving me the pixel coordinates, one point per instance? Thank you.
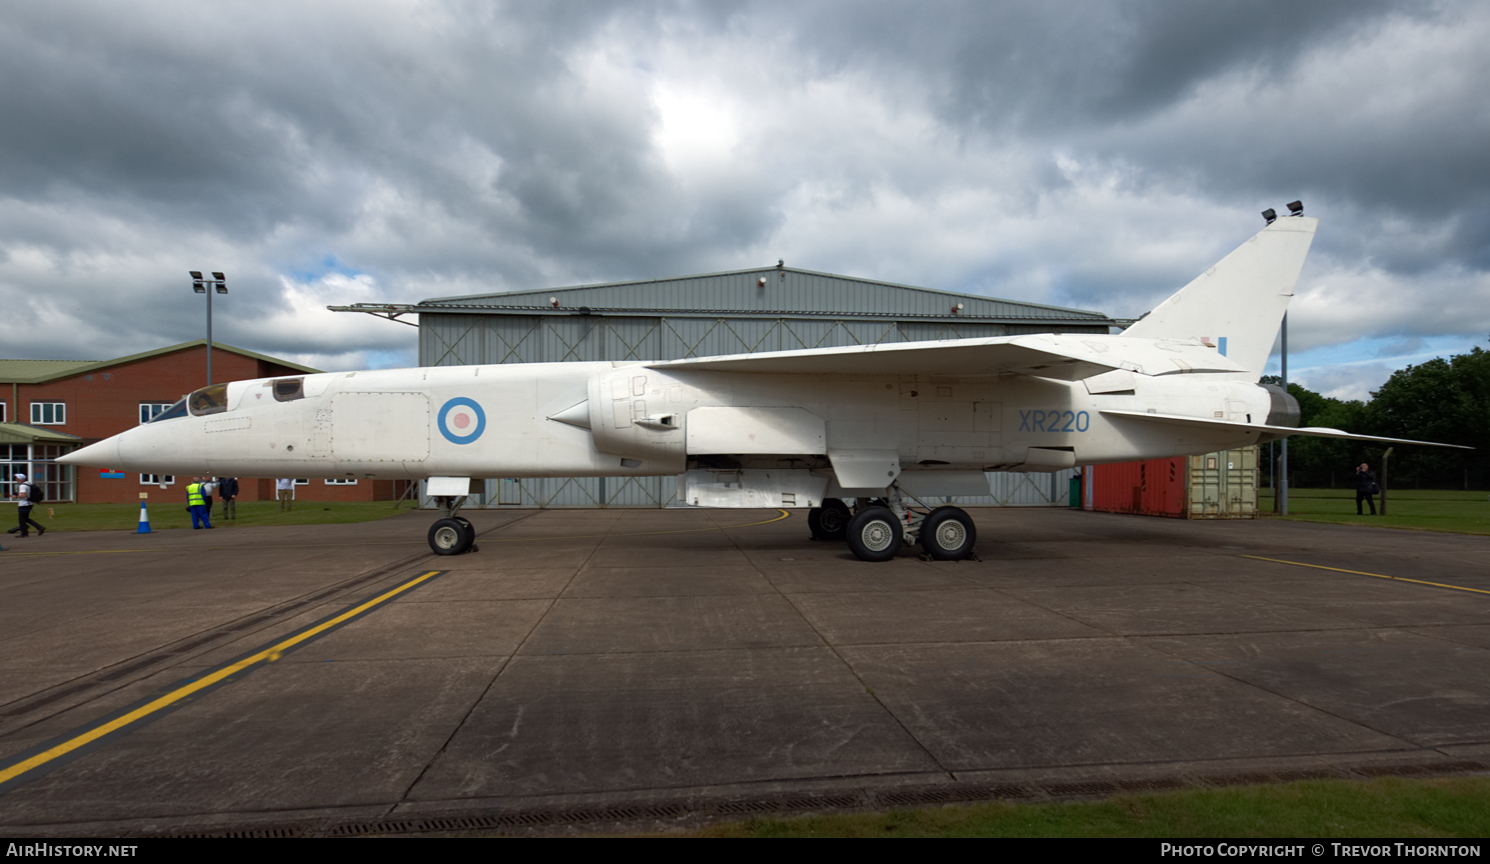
(1155, 487)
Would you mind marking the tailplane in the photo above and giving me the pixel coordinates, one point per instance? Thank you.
(1237, 306)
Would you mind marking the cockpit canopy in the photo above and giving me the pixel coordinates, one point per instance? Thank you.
(171, 413)
(212, 399)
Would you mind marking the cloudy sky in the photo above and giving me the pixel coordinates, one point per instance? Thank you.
(1080, 153)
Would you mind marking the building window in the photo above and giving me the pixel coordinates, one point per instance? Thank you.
(301, 481)
(341, 481)
(2, 412)
(157, 479)
(150, 410)
(36, 461)
(48, 413)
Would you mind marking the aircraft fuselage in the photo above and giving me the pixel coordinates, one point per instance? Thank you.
(633, 420)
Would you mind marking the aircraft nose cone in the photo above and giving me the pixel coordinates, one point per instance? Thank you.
(104, 454)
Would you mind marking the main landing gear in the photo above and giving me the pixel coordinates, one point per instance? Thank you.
(451, 534)
(877, 528)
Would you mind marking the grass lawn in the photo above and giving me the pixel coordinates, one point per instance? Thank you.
(1385, 807)
(166, 515)
(1455, 511)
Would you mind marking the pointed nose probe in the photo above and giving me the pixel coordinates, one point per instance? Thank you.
(104, 454)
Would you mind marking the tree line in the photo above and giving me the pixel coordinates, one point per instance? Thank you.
(1447, 401)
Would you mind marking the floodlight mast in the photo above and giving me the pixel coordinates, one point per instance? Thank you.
(219, 284)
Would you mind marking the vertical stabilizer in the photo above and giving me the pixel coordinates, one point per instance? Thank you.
(1238, 305)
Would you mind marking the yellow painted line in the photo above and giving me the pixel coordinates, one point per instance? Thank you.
(1363, 573)
(784, 515)
(269, 654)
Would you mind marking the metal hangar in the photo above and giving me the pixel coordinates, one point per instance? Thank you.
(737, 312)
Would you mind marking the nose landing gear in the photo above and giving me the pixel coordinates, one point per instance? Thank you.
(451, 534)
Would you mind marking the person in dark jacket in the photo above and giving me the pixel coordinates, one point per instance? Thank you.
(1365, 487)
(23, 506)
(227, 490)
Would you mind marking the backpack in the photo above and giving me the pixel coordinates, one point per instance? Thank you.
(34, 493)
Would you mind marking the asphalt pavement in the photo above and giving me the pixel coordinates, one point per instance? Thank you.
(649, 668)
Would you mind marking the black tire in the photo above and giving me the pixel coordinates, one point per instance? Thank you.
(830, 521)
(875, 535)
(450, 537)
(948, 534)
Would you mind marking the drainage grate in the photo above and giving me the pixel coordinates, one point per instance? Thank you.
(525, 819)
(1157, 784)
(1420, 770)
(776, 805)
(247, 834)
(947, 796)
(747, 807)
(1092, 787)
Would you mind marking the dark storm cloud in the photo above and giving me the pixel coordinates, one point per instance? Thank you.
(1093, 154)
(1098, 79)
(1060, 65)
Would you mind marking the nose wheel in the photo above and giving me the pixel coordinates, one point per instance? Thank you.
(452, 535)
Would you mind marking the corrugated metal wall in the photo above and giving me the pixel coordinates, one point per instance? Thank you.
(1008, 490)
(468, 340)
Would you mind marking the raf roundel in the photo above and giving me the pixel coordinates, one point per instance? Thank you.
(462, 420)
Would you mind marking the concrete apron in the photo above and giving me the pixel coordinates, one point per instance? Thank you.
(652, 667)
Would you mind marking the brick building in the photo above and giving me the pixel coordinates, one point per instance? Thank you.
(51, 407)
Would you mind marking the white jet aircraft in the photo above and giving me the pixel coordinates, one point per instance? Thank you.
(878, 424)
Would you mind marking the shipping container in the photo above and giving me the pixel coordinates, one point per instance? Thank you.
(1213, 486)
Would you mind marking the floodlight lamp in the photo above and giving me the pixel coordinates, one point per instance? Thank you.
(218, 276)
(1270, 214)
(199, 287)
(222, 288)
(1296, 208)
(195, 274)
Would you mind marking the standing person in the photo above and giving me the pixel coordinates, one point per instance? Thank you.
(1365, 487)
(197, 503)
(227, 489)
(28, 495)
(209, 486)
(286, 488)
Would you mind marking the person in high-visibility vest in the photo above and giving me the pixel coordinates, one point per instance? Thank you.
(196, 500)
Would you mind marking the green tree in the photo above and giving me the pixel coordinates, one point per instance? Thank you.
(1447, 401)
(1320, 461)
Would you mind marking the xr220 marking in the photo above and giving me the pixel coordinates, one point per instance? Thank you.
(1036, 420)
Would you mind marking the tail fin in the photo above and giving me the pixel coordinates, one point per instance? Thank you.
(1238, 305)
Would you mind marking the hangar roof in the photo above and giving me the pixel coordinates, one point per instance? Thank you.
(785, 292)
